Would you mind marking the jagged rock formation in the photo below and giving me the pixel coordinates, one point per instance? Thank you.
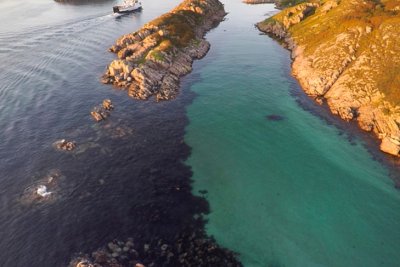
(347, 53)
(151, 60)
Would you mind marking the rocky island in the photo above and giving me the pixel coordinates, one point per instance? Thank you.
(346, 53)
(152, 59)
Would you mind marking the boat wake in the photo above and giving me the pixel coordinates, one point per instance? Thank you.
(36, 35)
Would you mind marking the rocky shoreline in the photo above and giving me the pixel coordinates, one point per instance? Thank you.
(188, 249)
(152, 60)
(328, 74)
(255, 2)
(150, 63)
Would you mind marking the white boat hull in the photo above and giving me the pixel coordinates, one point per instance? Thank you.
(127, 9)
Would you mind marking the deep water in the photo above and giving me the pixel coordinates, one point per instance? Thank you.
(294, 191)
(126, 176)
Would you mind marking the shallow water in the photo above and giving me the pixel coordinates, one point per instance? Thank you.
(287, 192)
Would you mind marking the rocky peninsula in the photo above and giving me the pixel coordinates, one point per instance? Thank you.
(152, 60)
(346, 54)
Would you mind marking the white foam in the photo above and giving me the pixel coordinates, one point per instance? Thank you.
(42, 191)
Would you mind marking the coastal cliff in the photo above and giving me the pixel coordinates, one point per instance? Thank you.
(152, 59)
(346, 53)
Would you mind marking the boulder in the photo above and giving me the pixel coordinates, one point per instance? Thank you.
(65, 145)
(390, 146)
(107, 104)
(96, 116)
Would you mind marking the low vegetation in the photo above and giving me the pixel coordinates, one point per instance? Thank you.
(367, 32)
(346, 53)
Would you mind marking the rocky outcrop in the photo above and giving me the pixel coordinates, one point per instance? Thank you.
(254, 2)
(64, 145)
(102, 112)
(152, 60)
(345, 52)
(185, 250)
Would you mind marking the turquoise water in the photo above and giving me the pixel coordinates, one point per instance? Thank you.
(292, 192)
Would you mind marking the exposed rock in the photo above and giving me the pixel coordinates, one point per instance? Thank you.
(84, 263)
(107, 104)
(97, 116)
(319, 100)
(43, 190)
(102, 111)
(187, 249)
(64, 145)
(350, 63)
(152, 60)
(390, 146)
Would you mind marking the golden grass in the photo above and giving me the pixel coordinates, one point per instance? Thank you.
(352, 18)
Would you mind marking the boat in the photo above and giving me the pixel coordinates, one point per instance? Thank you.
(128, 6)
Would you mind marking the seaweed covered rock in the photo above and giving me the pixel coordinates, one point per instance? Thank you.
(187, 249)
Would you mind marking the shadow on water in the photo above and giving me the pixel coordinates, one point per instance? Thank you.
(114, 186)
(127, 176)
(350, 129)
(136, 186)
(153, 202)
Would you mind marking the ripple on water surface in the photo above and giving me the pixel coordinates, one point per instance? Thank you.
(114, 185)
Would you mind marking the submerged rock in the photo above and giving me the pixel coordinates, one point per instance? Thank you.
(84, 263)
(275, 117)
(43, 190)
(187, 249)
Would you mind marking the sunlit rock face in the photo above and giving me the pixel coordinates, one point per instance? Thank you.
(346, 52)
(152, 60)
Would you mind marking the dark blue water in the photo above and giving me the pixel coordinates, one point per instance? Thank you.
(126, 177)
(130, 175)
